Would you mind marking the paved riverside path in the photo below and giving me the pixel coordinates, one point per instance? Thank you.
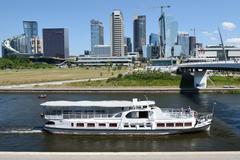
(120, 156)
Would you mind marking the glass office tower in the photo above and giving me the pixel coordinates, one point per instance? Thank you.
(30, 31)
(97, 33)
(183, 40)
(139, 33)
(154, 39)
(168, 34)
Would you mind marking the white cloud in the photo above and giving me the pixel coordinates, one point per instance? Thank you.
(233, 41)
(229, 26)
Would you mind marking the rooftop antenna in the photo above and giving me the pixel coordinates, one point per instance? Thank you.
(223, 48)
(194, 31)
(162, 7)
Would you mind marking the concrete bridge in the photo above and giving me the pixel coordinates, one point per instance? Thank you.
(199, 70)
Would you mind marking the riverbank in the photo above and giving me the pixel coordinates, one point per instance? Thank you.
(120, 90)
(121, 155)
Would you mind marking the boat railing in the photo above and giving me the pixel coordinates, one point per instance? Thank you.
(178, 113)
(79, 116)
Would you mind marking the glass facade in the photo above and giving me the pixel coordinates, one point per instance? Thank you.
(97, 33)
(128, 43)
(139, 33)
(55, 42)
(30, 31)
(154, 39)
(168, 34)
(183, 40)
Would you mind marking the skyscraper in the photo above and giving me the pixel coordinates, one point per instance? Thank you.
(168, 34)
(30, 31)
(128, 42)
(97, 33)
(117, 33)
(192, 46)
(154, 39)
(139, 33)
(183, 40)
(55, 42)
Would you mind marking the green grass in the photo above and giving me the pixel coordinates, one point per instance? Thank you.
(24, 76)
(220, 81)
(146, 79)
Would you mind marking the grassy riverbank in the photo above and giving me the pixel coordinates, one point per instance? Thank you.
(224, 81)
(149, 79)
(24, 76)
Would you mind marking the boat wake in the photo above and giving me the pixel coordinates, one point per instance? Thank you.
(21, 131)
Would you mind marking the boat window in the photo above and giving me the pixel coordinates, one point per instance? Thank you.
(72, 124)
(148, 124)
(143, 114)
(137, 114)
(126, 125)
(133, 125)
(80, 124)
(179, 124)
(141, 125)
(118, 115)
(113, 125)
(160, 124)
(170, 124)
(188, 124)
(91, 124)
(101, 124)
(50, 123)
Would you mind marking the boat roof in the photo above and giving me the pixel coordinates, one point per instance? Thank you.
(114, 103)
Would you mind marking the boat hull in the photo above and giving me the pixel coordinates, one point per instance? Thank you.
(123, 132)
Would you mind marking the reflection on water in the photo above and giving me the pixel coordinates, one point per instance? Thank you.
(20, 125)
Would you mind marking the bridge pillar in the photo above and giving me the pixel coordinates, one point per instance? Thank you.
(200, 79)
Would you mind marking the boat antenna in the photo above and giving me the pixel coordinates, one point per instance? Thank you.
(146, 97)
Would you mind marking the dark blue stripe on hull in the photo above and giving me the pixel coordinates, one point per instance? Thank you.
(121, 132)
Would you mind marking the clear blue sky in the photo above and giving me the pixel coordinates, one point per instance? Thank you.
(203, 15)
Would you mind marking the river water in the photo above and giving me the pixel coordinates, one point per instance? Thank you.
(21, 125)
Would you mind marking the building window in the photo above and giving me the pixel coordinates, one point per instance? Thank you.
(91, 125)
(102, 125)
(188, 124)
(80, 124)
(179, 124)
(160, 124)
(113, 125)
(170, 124)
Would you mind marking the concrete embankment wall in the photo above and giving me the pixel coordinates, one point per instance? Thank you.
(117, 90)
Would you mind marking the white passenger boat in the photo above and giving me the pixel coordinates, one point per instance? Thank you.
(121, 117)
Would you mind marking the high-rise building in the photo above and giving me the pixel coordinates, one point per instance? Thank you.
(117, 33)
(192, 46)
(97, 33)
(139, 33)
(30, 31)
(128, 43)
(154, 39)
(183, 40)
(55, 42)
(168, 34)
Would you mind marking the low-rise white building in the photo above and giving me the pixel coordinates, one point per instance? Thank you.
(101, 51)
